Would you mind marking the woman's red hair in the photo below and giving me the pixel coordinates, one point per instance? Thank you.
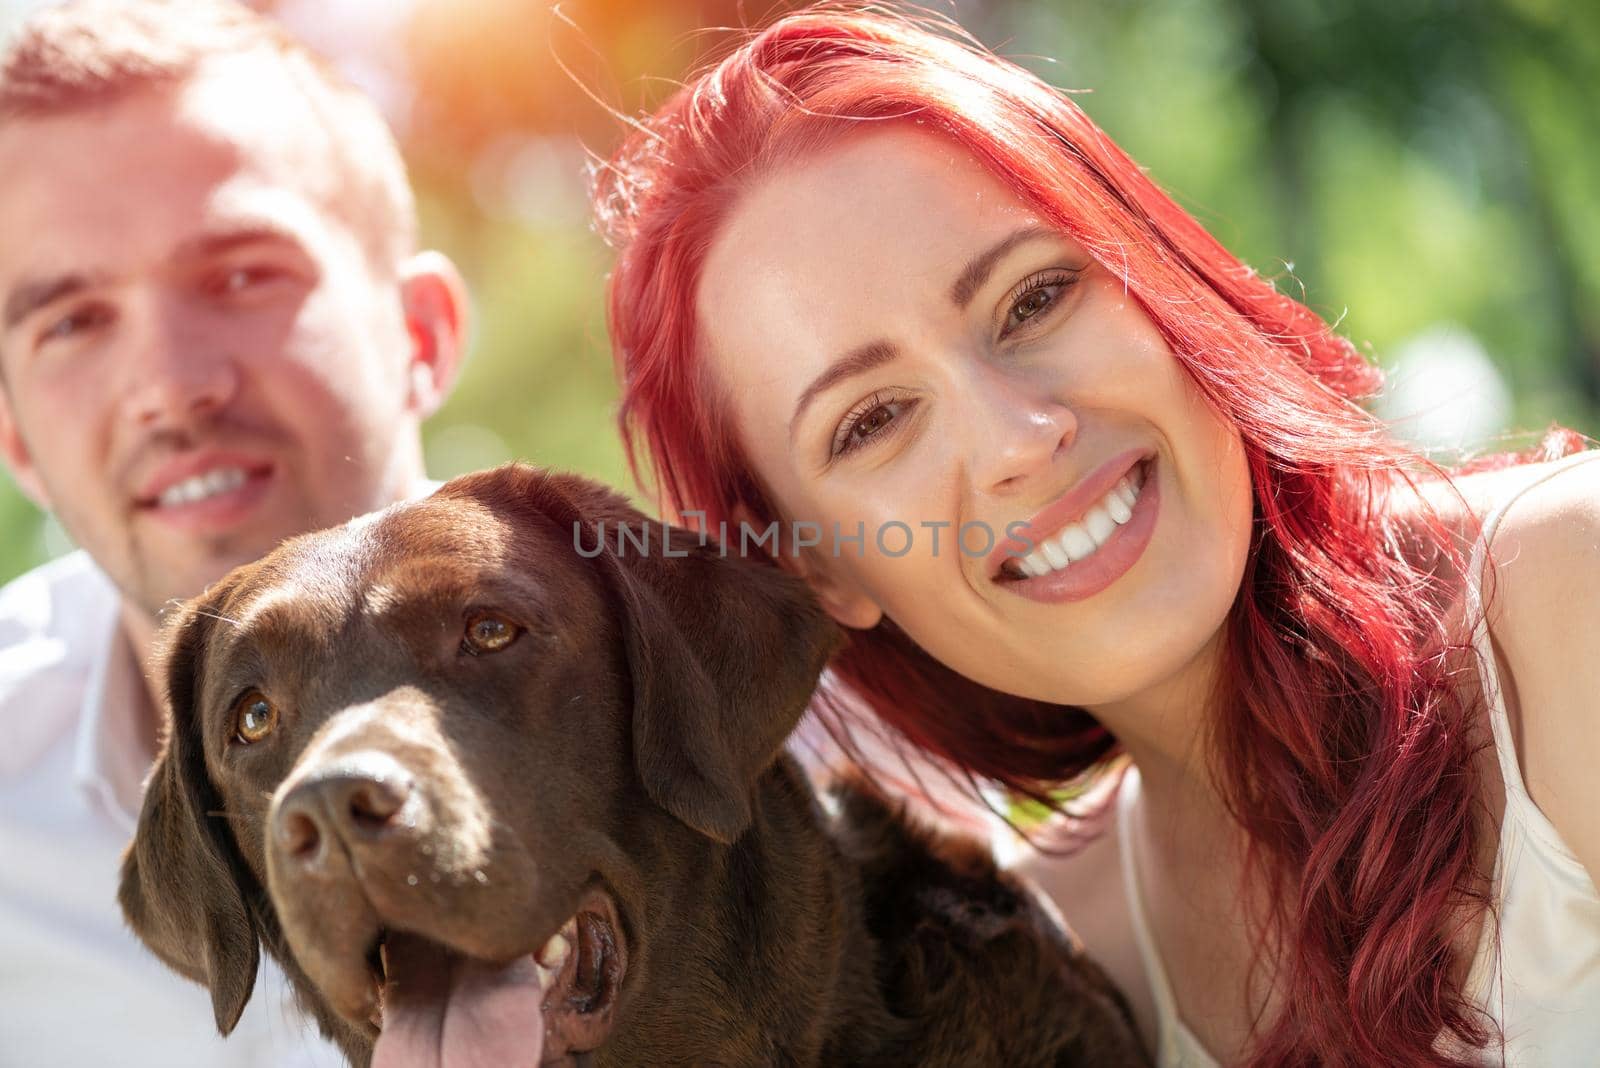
(1341, 741)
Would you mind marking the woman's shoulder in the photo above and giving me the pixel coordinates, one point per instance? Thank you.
(1543, 610)
(1545, 506)
(1556, 504)
(1534, 490)
(1541, 569)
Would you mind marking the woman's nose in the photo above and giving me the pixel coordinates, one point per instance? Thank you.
(1016, 430)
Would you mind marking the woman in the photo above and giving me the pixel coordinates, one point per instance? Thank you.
(873, 278)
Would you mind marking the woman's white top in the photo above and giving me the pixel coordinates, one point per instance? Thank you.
(1541, 981)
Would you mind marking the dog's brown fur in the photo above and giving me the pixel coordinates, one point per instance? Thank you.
(628, 740)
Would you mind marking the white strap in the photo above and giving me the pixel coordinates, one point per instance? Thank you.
(1178, 1048)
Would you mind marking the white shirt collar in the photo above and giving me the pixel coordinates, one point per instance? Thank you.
(112, 758)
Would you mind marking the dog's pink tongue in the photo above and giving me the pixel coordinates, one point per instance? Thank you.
(441, 1010)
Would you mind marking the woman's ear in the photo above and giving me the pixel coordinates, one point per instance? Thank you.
(840, 597)
(437, 311)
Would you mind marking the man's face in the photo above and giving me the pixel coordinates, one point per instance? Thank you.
(199, 358)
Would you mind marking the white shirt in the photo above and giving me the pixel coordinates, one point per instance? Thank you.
(76, 987)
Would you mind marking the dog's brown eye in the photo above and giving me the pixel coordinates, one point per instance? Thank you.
(488, 633)
(254, 717)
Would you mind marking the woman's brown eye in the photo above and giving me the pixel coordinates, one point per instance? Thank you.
(1036, 295)
(488, 633)
(254, 717)
(877, 418)
(873, 421)
(1032, 303)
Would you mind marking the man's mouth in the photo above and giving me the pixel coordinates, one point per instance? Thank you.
(199, 487)
(178, 490)
(205, 493)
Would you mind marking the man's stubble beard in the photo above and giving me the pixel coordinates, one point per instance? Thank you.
(155, 589)
(154, 586)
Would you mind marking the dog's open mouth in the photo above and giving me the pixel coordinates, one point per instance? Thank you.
(439, 1007)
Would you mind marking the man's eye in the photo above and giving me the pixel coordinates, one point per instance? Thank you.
(240, 279)
(88, 317)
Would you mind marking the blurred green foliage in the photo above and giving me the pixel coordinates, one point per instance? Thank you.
(1407, 162)
(1399, 163)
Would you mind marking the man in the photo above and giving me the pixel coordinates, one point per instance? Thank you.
(213, 334)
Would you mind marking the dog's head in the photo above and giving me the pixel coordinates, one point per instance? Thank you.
(419, 757)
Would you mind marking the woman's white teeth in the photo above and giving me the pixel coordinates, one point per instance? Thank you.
(1077, 539)
(199, 487)
(1054, 555)
(1100, 522)
(1082, 538)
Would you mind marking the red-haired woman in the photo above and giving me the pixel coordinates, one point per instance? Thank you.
(1086, 485)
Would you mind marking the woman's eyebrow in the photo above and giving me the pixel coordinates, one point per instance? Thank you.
(877, 353)
(977, 270)
(857, 361)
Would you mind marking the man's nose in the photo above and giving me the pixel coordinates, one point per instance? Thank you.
(1015, 428)
(175, 376)
(358, 803)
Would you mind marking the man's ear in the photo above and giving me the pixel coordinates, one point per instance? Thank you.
(437, 310)
(841, 598)
(18, 458)
(723, 653)
(179, 891)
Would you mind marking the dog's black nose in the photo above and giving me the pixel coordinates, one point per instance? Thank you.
(358, 799)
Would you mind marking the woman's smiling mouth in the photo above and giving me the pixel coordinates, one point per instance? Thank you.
(1078, 541)
(1082, 557)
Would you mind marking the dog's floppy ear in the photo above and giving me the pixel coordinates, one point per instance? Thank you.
(724, 653)
(724, 656)
(178, 891)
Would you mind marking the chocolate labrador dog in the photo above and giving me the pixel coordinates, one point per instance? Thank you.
(497, 791)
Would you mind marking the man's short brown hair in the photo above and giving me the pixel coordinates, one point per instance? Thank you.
(89, 53)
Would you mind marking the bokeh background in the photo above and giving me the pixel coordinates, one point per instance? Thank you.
(1424, 172)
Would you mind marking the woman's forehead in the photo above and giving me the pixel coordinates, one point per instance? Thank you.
(891, 180)
(848, 234)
